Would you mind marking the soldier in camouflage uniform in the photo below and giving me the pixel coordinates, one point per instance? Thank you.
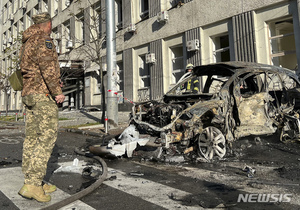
(41, 92)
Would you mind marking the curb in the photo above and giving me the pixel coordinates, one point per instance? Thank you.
(78, 131)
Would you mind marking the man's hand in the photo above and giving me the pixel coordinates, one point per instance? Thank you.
(61, 84)
(59, 98)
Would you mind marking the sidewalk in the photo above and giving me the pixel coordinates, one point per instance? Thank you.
(73, 118)
(77, 117)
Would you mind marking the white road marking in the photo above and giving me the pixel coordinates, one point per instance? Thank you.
(150, 191)
(11, 180)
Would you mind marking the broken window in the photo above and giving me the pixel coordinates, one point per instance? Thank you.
(221, 48)
(144, 72)
(144, 77)
(177, 64)
(282, 43)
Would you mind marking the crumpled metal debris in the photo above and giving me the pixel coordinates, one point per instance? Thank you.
(90, 172)
(127, 142)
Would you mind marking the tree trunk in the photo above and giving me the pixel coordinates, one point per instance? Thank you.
(6, 97)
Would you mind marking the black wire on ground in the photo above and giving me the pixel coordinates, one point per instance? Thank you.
(86, 191)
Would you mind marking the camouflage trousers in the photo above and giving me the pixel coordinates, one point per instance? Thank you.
(40, 136)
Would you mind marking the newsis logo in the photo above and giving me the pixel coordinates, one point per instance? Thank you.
(264, 198)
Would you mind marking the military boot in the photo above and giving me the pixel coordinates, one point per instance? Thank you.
(49, 188)
(35, 192)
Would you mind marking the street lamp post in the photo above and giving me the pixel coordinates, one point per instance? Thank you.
(112, 100)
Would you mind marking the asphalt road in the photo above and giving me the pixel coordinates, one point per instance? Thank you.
(138, 183)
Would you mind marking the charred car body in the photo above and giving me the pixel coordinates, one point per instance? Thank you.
(237, 99)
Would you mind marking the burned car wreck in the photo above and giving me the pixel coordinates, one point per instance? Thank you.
(236, 99)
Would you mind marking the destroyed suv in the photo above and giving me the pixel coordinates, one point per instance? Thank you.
(236, 99)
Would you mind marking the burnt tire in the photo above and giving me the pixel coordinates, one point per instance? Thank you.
(211, 143)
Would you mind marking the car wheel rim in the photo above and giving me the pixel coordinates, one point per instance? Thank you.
(211, 142)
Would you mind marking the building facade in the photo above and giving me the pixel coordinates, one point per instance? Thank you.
(154, 41)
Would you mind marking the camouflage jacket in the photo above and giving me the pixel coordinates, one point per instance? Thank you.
(39, 64)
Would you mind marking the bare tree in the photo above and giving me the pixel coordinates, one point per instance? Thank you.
(90, 45)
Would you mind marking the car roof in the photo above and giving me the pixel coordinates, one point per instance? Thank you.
(232, 67)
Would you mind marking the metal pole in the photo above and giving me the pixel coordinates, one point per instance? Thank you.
(105, 125)
(112, 100)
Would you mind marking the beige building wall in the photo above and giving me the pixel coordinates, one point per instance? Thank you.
(213, 18)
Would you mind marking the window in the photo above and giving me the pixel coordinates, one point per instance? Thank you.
(177, 64)
(119, 19)
(67, 30)
(144, 72)
(120, 82)
(282, 44)
(221, 48)
(79, 29)
(96, 21)
(144, 80)
(144, 9)
(56, 39)
(66, 37)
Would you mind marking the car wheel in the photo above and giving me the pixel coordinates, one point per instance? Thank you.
(211, 142)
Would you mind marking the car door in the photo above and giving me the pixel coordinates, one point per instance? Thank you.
(251, 103)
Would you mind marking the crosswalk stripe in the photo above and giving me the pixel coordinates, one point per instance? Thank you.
(11, 180)
(150, 191)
